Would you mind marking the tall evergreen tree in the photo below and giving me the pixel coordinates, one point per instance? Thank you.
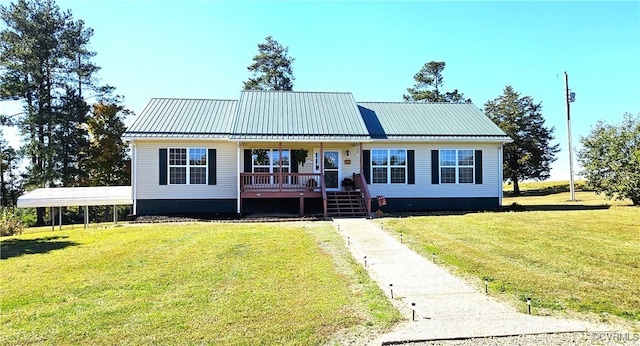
(531, 154)
(71, 138)
(46, 64)
(271, 68)
(429, 81)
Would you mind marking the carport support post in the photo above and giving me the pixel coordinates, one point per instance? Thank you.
(60, 218)
(53, 218)
(115, 214)
(86, 216)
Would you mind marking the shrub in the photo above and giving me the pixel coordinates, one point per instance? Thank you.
(9, 223)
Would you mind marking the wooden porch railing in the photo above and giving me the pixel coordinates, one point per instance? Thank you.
(361, 184)
(281, 182)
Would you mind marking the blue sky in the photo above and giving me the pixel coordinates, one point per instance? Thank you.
(201, 49)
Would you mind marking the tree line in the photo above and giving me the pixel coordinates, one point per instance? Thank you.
(47, 65)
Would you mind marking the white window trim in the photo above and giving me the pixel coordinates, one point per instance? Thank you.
(457, 166)
(389, 166)
(188, 166)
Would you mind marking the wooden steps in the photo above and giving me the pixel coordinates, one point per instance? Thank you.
(346, 204)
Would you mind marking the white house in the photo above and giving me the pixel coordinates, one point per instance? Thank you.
(268, 150)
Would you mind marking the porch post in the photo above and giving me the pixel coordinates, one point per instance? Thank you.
(301, 205)
(361, 161)
(321, 158)
(280, 165)
(238, 183)
(322, 187)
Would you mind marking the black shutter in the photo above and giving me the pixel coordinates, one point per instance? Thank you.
(212, 167)
(248, 161)
(162, 168)
(293, 161)
(435, 167)
(366, 164)
(478, 167)
(411, 167)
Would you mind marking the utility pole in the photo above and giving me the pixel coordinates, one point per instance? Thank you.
(570, 98)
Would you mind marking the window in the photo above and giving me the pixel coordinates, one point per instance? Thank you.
(456, 166)
(268, 161)
(188, 166)
(388, 166)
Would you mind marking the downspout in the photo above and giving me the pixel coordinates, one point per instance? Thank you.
(500, 173)
(134, 177)
(238, 201)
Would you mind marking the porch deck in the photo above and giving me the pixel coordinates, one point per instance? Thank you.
(293, 185)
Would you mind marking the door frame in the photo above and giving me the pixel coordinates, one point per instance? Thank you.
(316, 166)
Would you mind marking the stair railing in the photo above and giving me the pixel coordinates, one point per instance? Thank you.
(361, 183)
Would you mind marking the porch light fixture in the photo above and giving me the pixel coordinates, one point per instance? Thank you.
(347, 153)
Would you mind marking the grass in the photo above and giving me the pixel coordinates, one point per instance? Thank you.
(232, 284)
(543, 187)
(576, 256)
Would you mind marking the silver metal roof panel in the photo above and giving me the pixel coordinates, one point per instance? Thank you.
(298, 114)
(167, 117)
(427, 120)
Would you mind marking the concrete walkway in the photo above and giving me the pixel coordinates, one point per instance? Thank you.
(445, 306)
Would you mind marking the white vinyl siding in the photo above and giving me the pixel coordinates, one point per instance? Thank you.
(148, 171)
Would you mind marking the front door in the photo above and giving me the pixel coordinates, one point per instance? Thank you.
(331, 167)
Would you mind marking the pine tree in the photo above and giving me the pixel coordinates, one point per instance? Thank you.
(429, 80)
(46, 64)
(271, 68)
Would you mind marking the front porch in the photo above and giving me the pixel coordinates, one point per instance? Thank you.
(309, 172)
(301, 186)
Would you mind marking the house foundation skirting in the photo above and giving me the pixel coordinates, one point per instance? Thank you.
(437, 204)
(186, 206)
(311, 206)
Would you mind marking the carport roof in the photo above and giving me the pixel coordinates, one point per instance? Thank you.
(76, 196)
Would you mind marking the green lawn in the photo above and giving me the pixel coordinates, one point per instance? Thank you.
(578, 256)
(217, 283)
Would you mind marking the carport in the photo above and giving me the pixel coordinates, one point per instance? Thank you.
(77, 196)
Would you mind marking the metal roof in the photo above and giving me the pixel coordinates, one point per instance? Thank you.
(286, 115)
(311, 116)
(428, 121)
(185, 118)
(76, 196)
